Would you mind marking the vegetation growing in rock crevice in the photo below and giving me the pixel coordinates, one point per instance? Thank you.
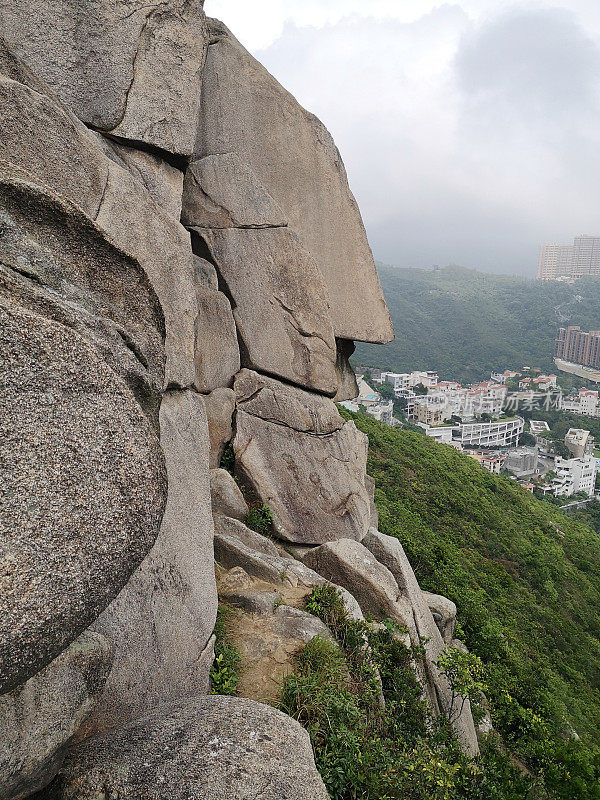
(225, 671)
(526, 580)
(364, 749)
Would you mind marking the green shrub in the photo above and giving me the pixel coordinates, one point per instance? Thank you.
(260, 519)
(224, 673)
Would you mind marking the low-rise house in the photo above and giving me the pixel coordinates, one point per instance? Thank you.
(507, 375)
(585, 403)
(493, 462)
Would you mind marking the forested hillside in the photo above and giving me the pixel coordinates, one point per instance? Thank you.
(465, 323)
(526, 580)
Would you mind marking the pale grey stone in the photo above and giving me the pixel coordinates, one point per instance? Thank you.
(39, 718)
(374, 515)
(225, 495)
(252, 601)
(347, 385)
(33, 125)
(217, 353)
(221, 191)
(218, 747)
(205, 273)
(279, 304)
(220, 406)
(82, 474)
(273, 401)
(444, 614)
(246, 111)
(227, 526)
(163, 619)
(313, 484)
(163, 181)
(126, 68)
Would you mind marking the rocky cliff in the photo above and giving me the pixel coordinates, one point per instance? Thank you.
(182, 268)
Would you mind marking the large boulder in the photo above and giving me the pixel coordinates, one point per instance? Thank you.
(308, 466)
(280, 305)
(32, 126)
(162, 621)
(208, 748)
(126, 68)
(39, 718)
(83, 488)
(217, 353)
(226, 496)
(245, 111)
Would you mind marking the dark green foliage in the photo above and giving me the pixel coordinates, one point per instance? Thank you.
(224, 673)
(526, 580)
(364, 750)
(228, 458)
(465, 323)
(260, 519)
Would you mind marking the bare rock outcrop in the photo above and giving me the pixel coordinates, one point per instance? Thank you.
(207, 748)
(130, 69)
(39, 719)
(247, 112)
(162, 621)
(304, 462)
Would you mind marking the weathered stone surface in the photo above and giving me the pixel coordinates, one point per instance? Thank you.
(273, 401)
(279, 305)
(313, 484)
(370, 486)
(39, 718)
(217, 353)
(208, 748)
(130, 69)
(252, 601)
(388, 551)
(32, 125)
(55, 262)
(221, 191)
(350, 564)
(246, 111)
(246, 553)
(205, 273)
(163, 181)
(220, 405)
(444, 614)
(162, 621)
(83, 489)
(347, 385)
(225, 495)
(268, 643)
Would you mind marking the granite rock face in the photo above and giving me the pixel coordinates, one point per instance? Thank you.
(247, 112)
(130, 69)
(220, 405)
(79, 460)
(279, 306)
(207, 748)
(39, 718)
(34, 124)
(162, 621)
(311, 475)
(226, 497)
(221, 191)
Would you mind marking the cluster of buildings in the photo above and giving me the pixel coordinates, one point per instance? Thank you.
(472, 419)
(568, 262)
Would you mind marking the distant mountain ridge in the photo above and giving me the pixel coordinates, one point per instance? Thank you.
(465, 323)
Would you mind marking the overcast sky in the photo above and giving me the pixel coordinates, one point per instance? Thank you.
(470, 129)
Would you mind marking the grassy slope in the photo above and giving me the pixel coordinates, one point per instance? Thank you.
(525, 577)
(465, 323)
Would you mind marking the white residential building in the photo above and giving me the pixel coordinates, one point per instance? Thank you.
(586, 403)
(372, 402)
(580, 442)
(493, 462)
(408, 380)
(503, 433)
(507, 375)
(575, 475)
